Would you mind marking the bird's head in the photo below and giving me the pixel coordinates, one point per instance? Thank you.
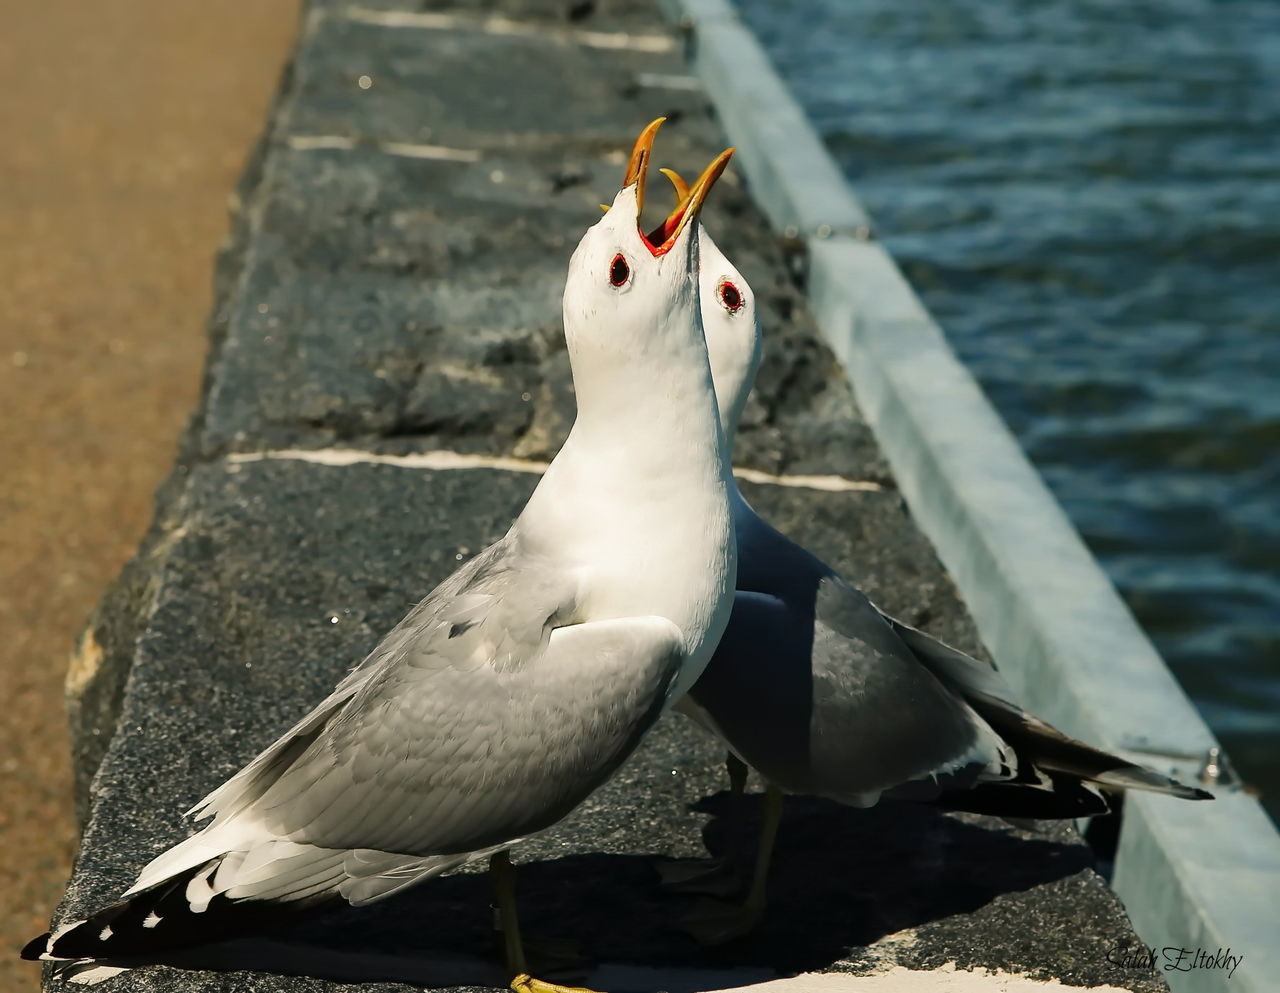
(729, 317)
(629, 295)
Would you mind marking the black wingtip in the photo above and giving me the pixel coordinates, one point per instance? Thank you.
(1129, 776)
(1185, 792)
(34, 948)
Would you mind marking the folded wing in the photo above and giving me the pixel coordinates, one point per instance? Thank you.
(485, 716)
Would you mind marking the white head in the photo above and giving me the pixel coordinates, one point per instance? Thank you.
(729, 319)
(732, 329)
(631, 310)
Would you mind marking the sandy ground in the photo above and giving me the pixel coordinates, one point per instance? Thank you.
(126, 126)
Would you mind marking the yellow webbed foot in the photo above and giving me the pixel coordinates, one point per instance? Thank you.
(525, 983)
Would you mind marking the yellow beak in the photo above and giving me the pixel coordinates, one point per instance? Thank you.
(638, 163)
(687, 211)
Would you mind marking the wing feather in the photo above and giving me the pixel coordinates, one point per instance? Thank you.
(486, 715)
(488, 754)
(818, 693)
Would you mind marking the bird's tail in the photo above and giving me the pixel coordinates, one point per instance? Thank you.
(203, 891)
(197, 892)
(178, 913)
(1057, 776)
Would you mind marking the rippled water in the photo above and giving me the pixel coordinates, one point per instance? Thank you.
(1087, 196)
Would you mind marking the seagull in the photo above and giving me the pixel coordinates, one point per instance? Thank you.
(824, 694)
(522, 682)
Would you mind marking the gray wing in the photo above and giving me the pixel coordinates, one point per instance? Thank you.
(485, 716)
(911, 734)
(822, 698)
(966, 675)
(1041, 748)
(440, 604)
(813, 687)
(448, 753)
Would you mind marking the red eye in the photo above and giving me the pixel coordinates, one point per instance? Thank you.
(730, 297)
(619, 271)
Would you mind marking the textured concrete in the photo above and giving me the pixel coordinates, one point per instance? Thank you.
(376, 299)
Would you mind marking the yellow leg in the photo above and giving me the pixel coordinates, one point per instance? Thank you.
(502, 875)
(714, 923)
(716, 877)
(764, 853)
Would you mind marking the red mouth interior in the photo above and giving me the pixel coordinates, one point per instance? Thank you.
(661, 238)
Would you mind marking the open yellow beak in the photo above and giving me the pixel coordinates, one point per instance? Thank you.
(687, 211)
(678, 184)
(638, 165)
(689, 199)
(682, 196)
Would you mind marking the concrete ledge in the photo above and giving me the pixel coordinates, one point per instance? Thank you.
(1051, 618)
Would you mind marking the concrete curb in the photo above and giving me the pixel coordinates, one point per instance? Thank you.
(1190, 875)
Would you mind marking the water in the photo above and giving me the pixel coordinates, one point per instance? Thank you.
(1087, 196)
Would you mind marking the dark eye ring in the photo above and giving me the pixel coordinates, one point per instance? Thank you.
(730, 297)
(619, 271)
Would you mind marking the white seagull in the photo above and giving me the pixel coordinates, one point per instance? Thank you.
(825, 695)
(523, 681)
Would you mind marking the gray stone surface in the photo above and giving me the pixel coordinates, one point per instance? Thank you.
(378, 301)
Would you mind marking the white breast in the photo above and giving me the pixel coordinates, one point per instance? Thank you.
(645, 534)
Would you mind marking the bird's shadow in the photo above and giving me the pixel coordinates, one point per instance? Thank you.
(841, 880)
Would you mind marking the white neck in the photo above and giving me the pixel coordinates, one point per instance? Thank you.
(638, 499)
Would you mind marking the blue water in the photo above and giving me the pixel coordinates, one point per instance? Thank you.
(1087, 197)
